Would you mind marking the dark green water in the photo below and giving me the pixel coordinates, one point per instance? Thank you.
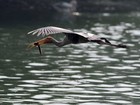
(84, 74)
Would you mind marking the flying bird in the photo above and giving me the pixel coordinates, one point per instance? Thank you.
(71, 37)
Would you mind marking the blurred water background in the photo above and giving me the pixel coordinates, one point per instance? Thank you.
(83, 74)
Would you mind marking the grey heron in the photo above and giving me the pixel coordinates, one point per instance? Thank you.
(71, 37)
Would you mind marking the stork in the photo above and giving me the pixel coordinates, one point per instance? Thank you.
(71, 37)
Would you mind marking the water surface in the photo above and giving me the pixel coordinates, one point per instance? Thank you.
(84, 74)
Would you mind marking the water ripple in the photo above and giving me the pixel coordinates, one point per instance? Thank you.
(41, 96)
(83, 74)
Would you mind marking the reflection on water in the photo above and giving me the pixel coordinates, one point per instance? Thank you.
(84, 74)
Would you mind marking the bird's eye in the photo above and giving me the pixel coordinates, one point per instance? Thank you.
(36, 43)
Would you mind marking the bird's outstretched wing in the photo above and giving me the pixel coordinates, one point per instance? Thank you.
(50, 30)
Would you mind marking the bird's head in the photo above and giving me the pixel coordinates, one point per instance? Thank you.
(39, 43)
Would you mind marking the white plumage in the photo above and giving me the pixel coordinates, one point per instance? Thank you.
(51, 30)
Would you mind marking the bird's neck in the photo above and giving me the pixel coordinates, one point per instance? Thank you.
(57, 43)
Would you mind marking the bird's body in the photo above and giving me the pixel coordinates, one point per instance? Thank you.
(71, 37)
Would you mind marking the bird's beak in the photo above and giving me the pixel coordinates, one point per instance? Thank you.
(40, 42)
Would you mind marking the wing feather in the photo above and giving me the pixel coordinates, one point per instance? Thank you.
(49, 30)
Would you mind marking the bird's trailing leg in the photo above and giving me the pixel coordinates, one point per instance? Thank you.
(107, 42)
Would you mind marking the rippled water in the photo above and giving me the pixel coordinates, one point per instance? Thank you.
(84, 74)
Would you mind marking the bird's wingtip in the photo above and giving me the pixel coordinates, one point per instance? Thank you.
(30, 32)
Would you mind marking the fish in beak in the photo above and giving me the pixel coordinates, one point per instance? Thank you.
(39, 43)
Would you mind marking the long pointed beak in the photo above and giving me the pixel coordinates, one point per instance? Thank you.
(39, 43)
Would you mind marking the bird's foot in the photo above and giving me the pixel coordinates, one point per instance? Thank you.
(121, 46)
